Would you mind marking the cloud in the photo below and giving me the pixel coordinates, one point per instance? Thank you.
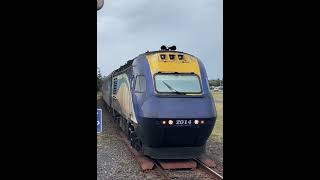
(129, 28)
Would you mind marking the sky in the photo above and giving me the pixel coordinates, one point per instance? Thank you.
(127, 28)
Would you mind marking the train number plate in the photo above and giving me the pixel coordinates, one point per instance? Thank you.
(183, 122)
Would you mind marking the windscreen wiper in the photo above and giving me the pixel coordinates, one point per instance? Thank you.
(171, 88)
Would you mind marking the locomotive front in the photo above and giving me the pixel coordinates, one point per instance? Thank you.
(177, 114)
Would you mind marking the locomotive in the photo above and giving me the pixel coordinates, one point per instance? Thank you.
(162, 102)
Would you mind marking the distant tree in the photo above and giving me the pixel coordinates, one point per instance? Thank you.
(215, 82)
(99, 79)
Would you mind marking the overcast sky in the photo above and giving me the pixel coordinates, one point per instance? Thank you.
(127, 28)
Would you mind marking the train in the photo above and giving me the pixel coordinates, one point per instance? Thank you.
(163, 103)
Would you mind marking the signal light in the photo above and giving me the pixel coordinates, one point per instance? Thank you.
(170, 122)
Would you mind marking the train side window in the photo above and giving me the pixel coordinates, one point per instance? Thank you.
(115, 83)
(140, 85)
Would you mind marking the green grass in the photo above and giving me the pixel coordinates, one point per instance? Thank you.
(217, 134)
(218, 96)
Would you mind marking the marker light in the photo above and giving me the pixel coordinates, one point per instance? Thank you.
(202, 121)
(163, 56)
(196, 121)
(171, 56)
(180, 57)
(164, 122)
(170, 122)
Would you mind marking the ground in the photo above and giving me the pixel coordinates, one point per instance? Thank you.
(215, 142)
(218, 129)
(114, 160)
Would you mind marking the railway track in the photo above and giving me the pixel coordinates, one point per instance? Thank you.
(201, 172)
(209, 170)
(161, 172)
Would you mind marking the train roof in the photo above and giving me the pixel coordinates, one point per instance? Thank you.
(129, 62)
(161, 51)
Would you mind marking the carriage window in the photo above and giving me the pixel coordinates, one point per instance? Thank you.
(140, 84)
(115, 83)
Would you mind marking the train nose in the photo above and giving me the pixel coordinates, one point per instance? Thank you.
(194, 135)
(158, 131)
(161, 133)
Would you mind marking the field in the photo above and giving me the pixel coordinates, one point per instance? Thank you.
(217, 134)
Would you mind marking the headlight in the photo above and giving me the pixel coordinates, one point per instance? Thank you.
(170, 122)
(196, 121)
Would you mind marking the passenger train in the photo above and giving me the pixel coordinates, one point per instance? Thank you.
(163, 103)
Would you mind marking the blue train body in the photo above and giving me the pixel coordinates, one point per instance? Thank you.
(161, 121)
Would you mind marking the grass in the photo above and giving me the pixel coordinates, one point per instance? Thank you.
(217, 134)
(218, 96)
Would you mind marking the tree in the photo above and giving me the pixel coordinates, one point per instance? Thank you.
(99, 79)
(215, 83)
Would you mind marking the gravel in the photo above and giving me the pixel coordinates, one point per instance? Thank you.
(115, 161)
(215, 151)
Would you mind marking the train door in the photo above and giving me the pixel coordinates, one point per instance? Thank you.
(140, 88)
(131, 95)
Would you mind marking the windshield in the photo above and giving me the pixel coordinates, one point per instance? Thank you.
(177, 83)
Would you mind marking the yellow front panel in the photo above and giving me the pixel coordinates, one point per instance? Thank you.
(188, 64)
